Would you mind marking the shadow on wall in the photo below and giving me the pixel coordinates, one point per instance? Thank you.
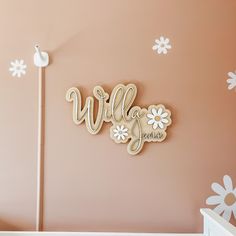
(6, 226)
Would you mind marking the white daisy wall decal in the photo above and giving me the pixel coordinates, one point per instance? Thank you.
(225, 198)
(120, 132)
(231, 80)
(158, 118)
(18, 68)
(162, 45)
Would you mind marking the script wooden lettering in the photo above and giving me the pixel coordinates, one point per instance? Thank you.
(135, 125)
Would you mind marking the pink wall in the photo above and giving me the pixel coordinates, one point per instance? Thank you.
(93, 184)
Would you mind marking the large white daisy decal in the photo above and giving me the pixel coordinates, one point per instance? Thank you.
(17, 68)
(158, 118)
(162, 45)
(232, 80)
(225, 198)
(120, 132)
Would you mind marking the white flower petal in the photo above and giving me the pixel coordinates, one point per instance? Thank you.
(233, 207)
(154, 111)
(150, 122)
(159, 111)
(165, 121)
(155, 125)
(155, 47)
(125, 134)
(234, 192)
(167, 41)
(118, 137)
(231, 86)
(157, 41)
(162, 39)
(165, 114)
(214, 200)
(123, 137)
(122, 127)
(160, 50)
(227, 214)
(228, 183)
(232, 75)
(164, 50)
(116, 134)
(125, 130)
(219, 209)
(218, 189)
(160, 125)
(234, 213)
(229, 81)
(168, 46)
(150, 116)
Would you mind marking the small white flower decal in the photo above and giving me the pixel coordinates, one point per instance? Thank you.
(162, 45)
(158, 118)
(225, 198)
(120, 132)
(232, 80)
(17, 68)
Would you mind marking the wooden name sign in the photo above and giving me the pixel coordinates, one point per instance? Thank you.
(131, 124)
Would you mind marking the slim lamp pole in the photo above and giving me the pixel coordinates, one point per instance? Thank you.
(40, 154)
(41, 60)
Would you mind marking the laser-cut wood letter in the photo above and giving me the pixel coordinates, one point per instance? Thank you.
(134, 124)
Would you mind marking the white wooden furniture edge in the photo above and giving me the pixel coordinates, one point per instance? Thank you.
(214, 225)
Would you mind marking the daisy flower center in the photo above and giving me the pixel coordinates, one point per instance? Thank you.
(230, 199)
(157, 118)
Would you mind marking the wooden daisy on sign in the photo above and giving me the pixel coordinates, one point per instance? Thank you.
(158, 118)
(120, 133)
